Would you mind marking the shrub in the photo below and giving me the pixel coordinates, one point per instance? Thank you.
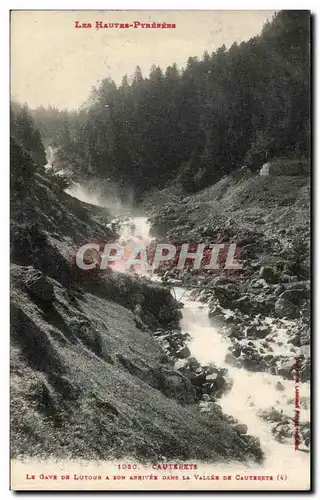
(27, 240)
(21, 166)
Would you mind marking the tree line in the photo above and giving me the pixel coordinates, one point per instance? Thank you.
(235, 107)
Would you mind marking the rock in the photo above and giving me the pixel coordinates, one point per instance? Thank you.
(39, 286)
(271, 414)
(240, 428)
(173, 384)
(205, 398)
(306, 437)
(235, 332)
(226, 294)
(295, 340)
(217, 409)
(235, 350)
(285, 309)
(210, 368)
(204, 296)
(305, 311)
(258, 283)
(259, 332)
(248, 251)
(219, 320)
(295, 295)
(220, 384)
(279, 289)
(244, 304)
(198, 378)
(184, 352)
(193, 363)
(231, 360)
(268, 274)
(252, 441)
(282, 431)
(286, 370)
(305, 285)
(181, 364)
(254, 363)
(207, 406)
(215, 311)
(158, 332)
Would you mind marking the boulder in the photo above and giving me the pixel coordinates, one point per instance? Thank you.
(172, 384)
(259, 332)
(230, 419)
(304, 285)
(244, 304)
(286, 370)
(205, 398)
(212, 377)
(279, 289)
(231, 360)
(235, 350)
(271, 414)
(215, 311)
(38, 285)
(207, 406)
(295, 295)
(193, 363)
(285, 309)
(219, 320)
(235, 332)
(198, 378)
(282, 431)
(252, 441)
(257, 284)
(240, 428)
(305, 370)
(226, 294)
(217, 409)
(184, 352)
(295, 340)
(268, 274)
(158, 332)
(254, 363)
(248, 251)
(306, 436)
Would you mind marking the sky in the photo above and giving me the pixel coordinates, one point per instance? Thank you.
(54, 63)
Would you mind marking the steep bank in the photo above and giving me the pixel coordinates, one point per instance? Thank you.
(88, 378)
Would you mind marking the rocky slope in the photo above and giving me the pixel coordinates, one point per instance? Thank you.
(89, 376)
(265, 308)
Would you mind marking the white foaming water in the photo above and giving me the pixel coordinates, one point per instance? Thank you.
(251, 392)
(93, 196)
(137, 228)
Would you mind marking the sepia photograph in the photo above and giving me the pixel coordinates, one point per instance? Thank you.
(160, 250)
